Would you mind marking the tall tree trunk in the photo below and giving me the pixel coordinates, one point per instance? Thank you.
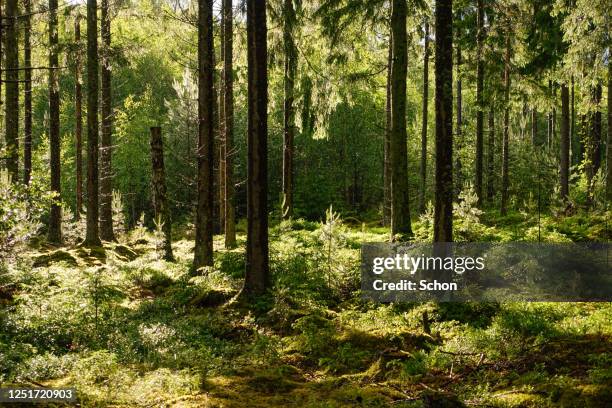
(228, 127)
(458, 165)
(92, 236)
(257, 276)
(219, 114)
(12, 89)
(549, 132)
(387, 141)
(400, 210)
(565, 142)
(55, 215)
(424, 121)
(443, 211)
(106, 170)
(289, 110)
(78, 117)
(491, 158)
(158, 180)
(203, 252)
(574, 137)
(27, 93)
(534, 126)
(480, 103)
(596, 129)
(506, 138)
(609, 142)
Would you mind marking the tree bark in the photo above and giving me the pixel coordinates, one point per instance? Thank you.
(596, 129)
(480, 103)
(443, 211)
(506, 138)
(12, 89)
(27, 93)
(400, 210)
(565, 142)
(573, 134)
(203, 252)
(228, 127)
(289, 110)
(219, 115)
(549, 132)
(459, 140)
(55, 215)
(92, 237)
(158, 179)
(423, 186)
(106, 170)
(387, 140)
(257, 275)
(78, 117)
(609, 142)
(491, 158)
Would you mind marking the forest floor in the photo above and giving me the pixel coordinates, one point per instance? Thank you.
(128, 329)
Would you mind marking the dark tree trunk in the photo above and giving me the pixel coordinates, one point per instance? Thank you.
(480, 103)
(459, 140)
(387, 141)
(158, 180)
(443, 212)
(228, 127)
(549, 131)
(609, 142)
(575, 139)
(400, 210)
(78, 117)
(423, 186)
(257, 276)
(106, 170)
(534, 126)
(92, 237)
(12, 89)
(27, 94)
(491, 158)
(506, 138)
(55, 215)
(203, 252)
(565, 142)
(219, 115)
(289, 110)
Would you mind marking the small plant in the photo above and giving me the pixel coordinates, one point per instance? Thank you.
(332, 236)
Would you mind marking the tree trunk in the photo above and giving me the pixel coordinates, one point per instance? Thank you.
(480, 103)
(459, 170)
(219, 114)
(257, 276)
(506, 138)
(609, 142)
(387, 141)
(549, 132)
(158, 179)
(27, 94)
(92, 237)
(575, 139)
(203, 252)
(596, 129)
(534, 126)
(228, 127)
(424, 121)
(289, 110)
(400, 210)
(78, 117)
(55, 215)
(565, 142)
(12, 89)
(106, 170)
(491, 158)
(443, 212)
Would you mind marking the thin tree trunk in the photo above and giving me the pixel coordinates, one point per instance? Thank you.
(158, 179)
(228, 127)
(565, 142)
(534, 126)
(27, 94)
(596, 129)
(458, 165)
(257, 275)
(387, 141)
(106, 170)
(491, 158)
(203, 252)
(480, 103)
(78, 117)
(443, 211)
(424, 121)
(573, 134)
(92, 237)
(609, 142)
(506, 138)
(549, 132)
(400, 210)
(55, 215)
(289, 110)
(12, 89)
(219, 114)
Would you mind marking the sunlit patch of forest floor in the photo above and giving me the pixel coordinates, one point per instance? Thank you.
(128, 329)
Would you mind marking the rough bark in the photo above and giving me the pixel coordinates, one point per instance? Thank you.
(400, 210)
(55, 215)
(480, 102)
(609, 141)
(228, 127)
(257, 275)
(158, 181)
(203, 251)
(573, 134)
(443, 211)
(459, 140)
(423, 169)
(78, 117)
(92, 237)
(506, 138)
(565, 142)
(27, 93)
(12, 89)
(491, 157)
(387, 141)
(106, 170)
(289, 110)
